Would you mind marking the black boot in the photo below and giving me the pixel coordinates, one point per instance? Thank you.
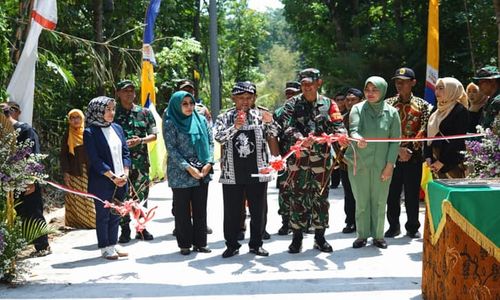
(285, 229)
(125, 235)
(296, 244)
(319, 241)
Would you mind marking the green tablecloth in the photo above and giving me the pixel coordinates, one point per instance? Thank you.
(479, 206)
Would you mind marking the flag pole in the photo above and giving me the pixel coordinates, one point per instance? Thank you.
(432, 73)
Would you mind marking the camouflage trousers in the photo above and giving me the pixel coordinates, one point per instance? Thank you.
(283, 195)
(139, 190)
(308, 190)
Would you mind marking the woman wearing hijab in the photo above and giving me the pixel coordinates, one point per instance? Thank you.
(449, 118)
(188, 139)
(477, 101)
(370, 172)
(109, 163)
(79, 211)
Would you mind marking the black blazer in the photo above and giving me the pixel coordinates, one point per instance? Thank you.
(457, 122)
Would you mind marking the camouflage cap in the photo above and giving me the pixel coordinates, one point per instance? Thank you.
(487, 72)
(292, 86)
(183, 83)
(309, 74)
(123, 84)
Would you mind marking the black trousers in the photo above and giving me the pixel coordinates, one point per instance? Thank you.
(31, 207)
(349, 201)
(335, 178)
(191, 215)
(407, 175)
(234, 196)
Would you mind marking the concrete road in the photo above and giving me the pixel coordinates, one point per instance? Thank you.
(156, 270)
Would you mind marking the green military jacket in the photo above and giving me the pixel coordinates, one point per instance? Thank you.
(139, 122)
(490, 110)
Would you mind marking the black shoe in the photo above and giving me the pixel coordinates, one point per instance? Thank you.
(323, 247)
(230, 252)
(266, 235)
(284, 230)
(296, 244)
(349, 228)
(381, 243)
(209, 230)
(392, 232)
(124, 237)
(358, 243)
(201, 249)
(185, 251)
(41, 252)
(413, 235)
(295, 247)
(259, 251)
(241, 235)
(144, 235)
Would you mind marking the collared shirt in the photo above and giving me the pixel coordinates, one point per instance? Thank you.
(244, 150)
(414, 116)
(140, 122)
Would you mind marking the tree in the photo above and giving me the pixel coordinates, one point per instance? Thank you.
(496, 3)
(279, 67)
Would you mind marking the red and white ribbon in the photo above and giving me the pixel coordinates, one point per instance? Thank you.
(279, 165)
(139, 217)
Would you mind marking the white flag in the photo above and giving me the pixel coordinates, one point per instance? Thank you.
(22, 84)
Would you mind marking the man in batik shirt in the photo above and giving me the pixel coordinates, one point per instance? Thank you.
(414, 113)
(243, 132)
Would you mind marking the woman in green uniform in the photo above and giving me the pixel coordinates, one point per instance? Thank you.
(371, 172)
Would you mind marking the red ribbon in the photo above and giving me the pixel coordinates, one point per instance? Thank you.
(129, 206)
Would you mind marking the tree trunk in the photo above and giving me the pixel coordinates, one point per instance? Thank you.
(355, 27)
(398, 15)
(25, 7)
(98, 35)
(197, 36)
(339, 33)
(496, 3)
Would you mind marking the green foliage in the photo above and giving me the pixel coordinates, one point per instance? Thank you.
(32, 229)
(279, 67)
(5, 64)
(351, 40)
(11, 244)
(175, 62)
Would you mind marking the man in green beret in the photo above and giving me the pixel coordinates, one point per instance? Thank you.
(488, 80)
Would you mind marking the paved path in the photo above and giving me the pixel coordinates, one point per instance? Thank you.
(156, 270)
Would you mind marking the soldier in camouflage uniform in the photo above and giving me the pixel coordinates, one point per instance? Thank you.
(488, 80)
(292, 88)
(140, 128)
(304, 114)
